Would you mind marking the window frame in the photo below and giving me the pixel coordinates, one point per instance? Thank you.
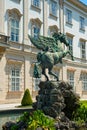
(54, 13)
(16, 30)
(14, 16)
(70, 40)
(32, 30)
(13, 83)
(82, 23)
(82, 43)
(69, 16)
(70, 77)
(84, 81)
(37, 4)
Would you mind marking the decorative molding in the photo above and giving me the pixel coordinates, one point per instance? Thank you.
(71, 69)
(36, 20)
(69, 34)
(11, 11)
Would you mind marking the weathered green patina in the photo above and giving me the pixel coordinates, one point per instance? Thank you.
(51, 54)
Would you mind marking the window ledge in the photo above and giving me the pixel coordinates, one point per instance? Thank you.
(69, 23)
(14, 92)
(83, 59)
(82, 29)
(14, 42)
(37, 8)
(53, 16)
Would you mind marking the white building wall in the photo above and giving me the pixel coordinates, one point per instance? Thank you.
(52, 20)
(35, 13)
(74, 29)
(24, 56)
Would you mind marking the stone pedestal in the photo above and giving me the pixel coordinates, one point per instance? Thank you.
(50, 99)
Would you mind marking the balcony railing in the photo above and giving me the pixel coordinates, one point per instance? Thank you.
(4, 38)
(4, 41)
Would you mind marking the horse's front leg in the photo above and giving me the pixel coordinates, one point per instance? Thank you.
(50, 72)
(71, 55)
(44, 73)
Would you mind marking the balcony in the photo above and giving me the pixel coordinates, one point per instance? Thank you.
(3, 44)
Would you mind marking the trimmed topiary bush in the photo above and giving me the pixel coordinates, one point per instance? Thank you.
(26, 100)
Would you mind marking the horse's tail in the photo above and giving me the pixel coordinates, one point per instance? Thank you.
(37, 71)
(39, 56)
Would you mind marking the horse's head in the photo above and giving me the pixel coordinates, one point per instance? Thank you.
(56, 36)
(62, 37)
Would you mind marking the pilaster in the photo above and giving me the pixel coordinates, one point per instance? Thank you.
(64, 73)
(25, 21)
(2, 8)
(61, 16)
(45, 18)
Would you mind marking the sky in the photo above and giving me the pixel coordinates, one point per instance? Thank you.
(84, 1)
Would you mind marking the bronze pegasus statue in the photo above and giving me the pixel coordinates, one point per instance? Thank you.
(51, 53)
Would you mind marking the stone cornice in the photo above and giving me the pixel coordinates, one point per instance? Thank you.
(78, 4)
(75, 63)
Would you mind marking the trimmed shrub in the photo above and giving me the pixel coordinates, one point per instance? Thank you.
(26, 100)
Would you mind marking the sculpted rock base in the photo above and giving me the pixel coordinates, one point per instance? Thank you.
(50, 98)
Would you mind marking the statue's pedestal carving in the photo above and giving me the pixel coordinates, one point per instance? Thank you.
(50, 98)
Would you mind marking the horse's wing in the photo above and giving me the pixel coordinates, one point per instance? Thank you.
(36, 42)
(44, 43)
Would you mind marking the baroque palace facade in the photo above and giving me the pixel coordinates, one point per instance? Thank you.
(18, 18)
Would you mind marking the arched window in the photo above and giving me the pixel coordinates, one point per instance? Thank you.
(35, 27)
(35, 30)
(14, 24)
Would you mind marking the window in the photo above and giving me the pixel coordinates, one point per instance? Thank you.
(14, 30)
(36, 83)
(84, 81)
(36, 3)
(15, 79)
(35, 30)
(35, 27)
(70, 39)
(53, 8)
(83, 49)
(69, 16)
(82, 23)
(71, 78)
(14, 27)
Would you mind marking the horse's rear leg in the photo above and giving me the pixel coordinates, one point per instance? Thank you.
(51, 73)
(44, 73)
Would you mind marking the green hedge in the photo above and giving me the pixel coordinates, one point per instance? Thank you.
(81, 114)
